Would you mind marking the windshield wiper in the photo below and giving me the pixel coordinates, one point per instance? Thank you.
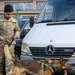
(45, 21)
(68, 19)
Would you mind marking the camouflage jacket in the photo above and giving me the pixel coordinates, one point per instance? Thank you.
(8, 28)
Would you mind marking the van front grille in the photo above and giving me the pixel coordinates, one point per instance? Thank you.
(41, 52)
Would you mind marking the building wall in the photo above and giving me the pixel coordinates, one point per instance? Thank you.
(34, 11)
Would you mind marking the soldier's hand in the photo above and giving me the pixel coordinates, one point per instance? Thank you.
(14, 37)
(2, 38)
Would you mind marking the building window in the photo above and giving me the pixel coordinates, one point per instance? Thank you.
(19, 6)
(13, 4)
(40, 5)
(28, 6)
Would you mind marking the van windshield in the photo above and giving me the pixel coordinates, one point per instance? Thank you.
(57, 10)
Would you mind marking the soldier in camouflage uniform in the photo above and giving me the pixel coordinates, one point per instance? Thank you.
(1, 49)
(10, 32)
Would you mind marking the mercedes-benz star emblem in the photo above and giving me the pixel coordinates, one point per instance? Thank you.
(49, 50)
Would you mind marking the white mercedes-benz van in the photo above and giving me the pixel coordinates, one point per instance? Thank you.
(53, 35)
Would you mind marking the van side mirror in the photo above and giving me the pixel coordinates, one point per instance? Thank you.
(31, 21)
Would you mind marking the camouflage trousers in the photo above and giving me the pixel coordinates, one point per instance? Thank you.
(9, 63)
(1, 59)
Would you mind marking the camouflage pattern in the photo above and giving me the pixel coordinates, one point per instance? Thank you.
(9, 63)
(1, 59)
(11, 26)
(2, 30)
(9, 66)
(8, 28)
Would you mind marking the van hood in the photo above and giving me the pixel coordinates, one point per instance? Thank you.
(58, 35)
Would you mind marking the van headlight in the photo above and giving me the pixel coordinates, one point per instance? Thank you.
(25, 49)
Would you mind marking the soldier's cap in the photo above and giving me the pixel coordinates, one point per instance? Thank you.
(8, 8)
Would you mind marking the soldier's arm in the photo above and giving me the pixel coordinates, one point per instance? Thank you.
(2, 31)
(17, 30)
